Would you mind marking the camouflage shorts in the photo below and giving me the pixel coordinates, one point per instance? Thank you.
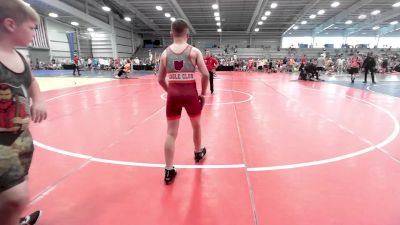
(15, 161)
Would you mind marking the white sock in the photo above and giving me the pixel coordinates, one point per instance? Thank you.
(169, 167)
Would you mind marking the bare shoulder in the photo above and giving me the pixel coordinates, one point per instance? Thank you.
(196, 50)
(164, 53)
(26, 58)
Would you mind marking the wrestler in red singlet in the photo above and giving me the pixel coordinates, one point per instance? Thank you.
(178, 64)
(182, 92)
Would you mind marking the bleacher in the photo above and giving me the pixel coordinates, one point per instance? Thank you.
(143, 53)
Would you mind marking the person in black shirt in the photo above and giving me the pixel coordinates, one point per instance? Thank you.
(369, 65)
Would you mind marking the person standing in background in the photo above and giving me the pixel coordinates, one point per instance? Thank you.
(355, 63)
(320, 64)
(369, 65)
(89, 63)
(340, 65)
(76, 65)
(212, 64)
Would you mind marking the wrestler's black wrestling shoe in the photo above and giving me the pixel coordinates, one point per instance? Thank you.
(170, 175)
(31, 219)
(198, 156)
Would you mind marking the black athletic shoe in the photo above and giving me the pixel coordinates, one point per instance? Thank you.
(170, 175)
(31, 219)
(200, 155)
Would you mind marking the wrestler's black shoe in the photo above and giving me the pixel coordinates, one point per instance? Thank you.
(200, 155)
(31, 219)
(170, 175)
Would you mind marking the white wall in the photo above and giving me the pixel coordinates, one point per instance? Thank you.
(203, 43)
(295, 41)
(85, 42)
(101, 45)
(124, 42)
(232, 42)
(137, 41)
(386, 42)
(271, 43)
(371, 41)
(59, 48)
(319, 42)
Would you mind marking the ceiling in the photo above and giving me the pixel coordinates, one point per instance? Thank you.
(237, 17)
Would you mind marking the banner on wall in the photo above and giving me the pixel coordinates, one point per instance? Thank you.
(71, 43)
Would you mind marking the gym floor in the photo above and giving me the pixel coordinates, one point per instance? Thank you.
(280, 152)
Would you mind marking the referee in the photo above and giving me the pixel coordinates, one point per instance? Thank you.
(212, 64)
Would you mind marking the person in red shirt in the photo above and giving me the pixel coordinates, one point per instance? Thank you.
(212, 64)
(304, 60)
(76, 65)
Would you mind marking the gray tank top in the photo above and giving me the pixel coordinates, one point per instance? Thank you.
(14, 102)
(179, 66)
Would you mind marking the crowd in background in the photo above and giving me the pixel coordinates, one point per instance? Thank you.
(336, 64)
(387, 62)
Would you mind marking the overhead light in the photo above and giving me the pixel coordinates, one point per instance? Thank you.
(375, 12)
(267, 13)
(219, 30)
(167, 15)
(216, 14)
(394, 22)
(362, 16)
(363, 33)
(127, 18)
(159, 8)
(295, 27)
(106, 8)
(312, 16)
(263, 18)
(214, 6)
(321, 12)
(90, 29)
(336, 27)
(375, 28)
(75, 23)
(219, 24)
(303, 22)
(257, 29)
(326, 33)
(217, 18)
(172, 19)
(335, 4)
(397, 4)
(290, 33)
(54, 15)
(348, 22)
(274, 5)
(260, 23)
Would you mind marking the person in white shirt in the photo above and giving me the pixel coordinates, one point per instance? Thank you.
(340, 65)
(321, 64)
(136, 61)
(89, 62)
